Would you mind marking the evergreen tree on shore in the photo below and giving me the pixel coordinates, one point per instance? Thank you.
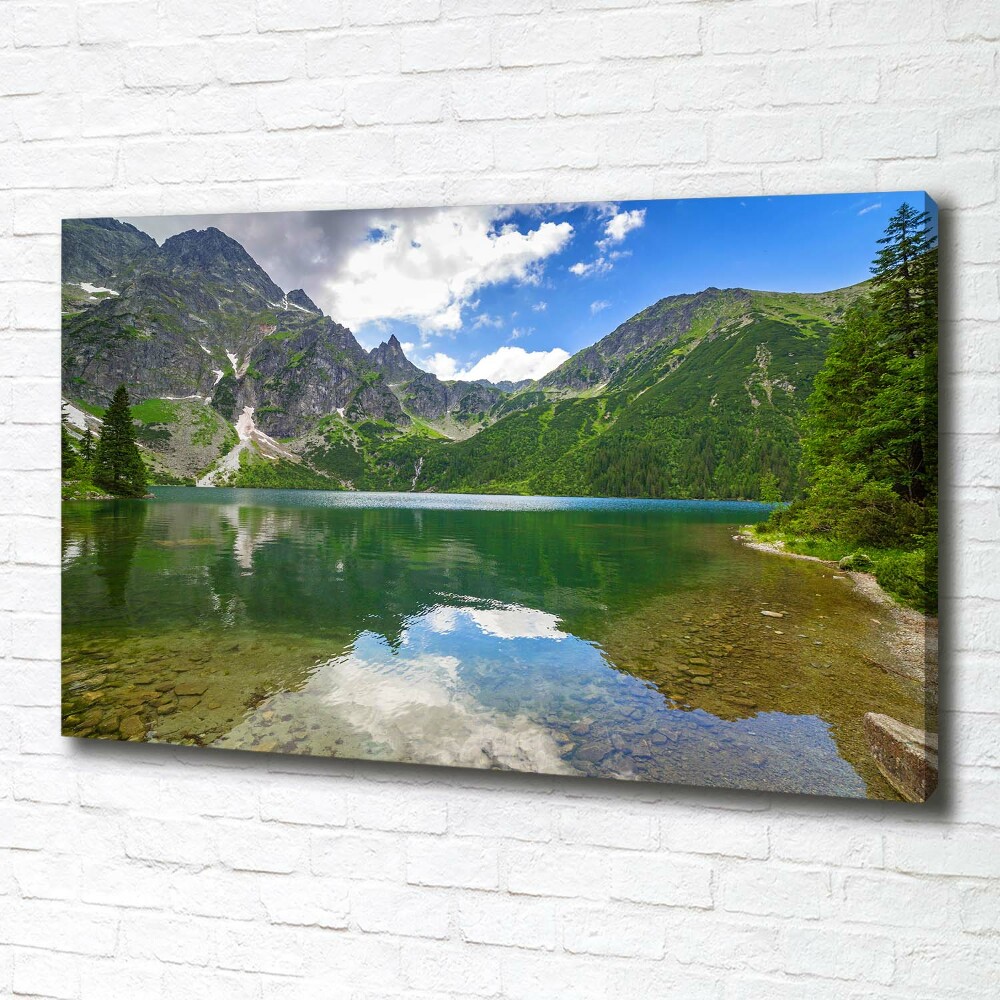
(70, 459)
(870, 446)
(118, 466)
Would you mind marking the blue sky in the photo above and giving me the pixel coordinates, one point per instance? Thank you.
(502, 292)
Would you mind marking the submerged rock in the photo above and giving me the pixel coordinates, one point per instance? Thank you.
(907, 756)
(132, 728)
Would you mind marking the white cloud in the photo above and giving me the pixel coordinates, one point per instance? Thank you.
(598, 306)
(618, 226)
(504, 364)
(870, 208)
(521, 331)
(599, 266)
(440, 364)
(540, 307)
(426, 267)
(515, 363)
(485, 319)
(408, 346)
(621, 224)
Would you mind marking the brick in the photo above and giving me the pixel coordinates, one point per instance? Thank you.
(897, 901)
(42, 24)
(255, 60)
(357, 855)
(706, 832)
(722, 943)
(950, 853)
(392, 809)
(435, 861)
(308, 901)
(518, 818)
(403, 911)
(444, 46)
(616, 931)
(275, 15)
(260, 948)
(391, 11)
(856, 845)
(895, 23)
(169, 842)
(251, 846)
(608, 828)
(122, 979)
(504, 95)
(976, 20)
(105, 23)
(392, 102)
(650, 33)
(767, 890)
(852, 80)
(529, 975)
(937, 78)
(290, 105)
(464, 152)
(547, 871)
(444, 968)
(177, 65)
(352, 53)
(40, 973)
(215, 892)
(586, 92)
(741, 28)
(662, 879)
(59, 927)
(167, 938)
(569, 39)
(222, 17)
(767, 139)
(43, 875)
(836, 955)
(511, 921)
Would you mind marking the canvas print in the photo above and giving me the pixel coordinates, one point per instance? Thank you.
(638, 490)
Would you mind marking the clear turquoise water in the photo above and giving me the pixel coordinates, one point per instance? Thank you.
(609, 638)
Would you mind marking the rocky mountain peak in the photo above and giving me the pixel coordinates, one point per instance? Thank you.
(390, 359)
(212, 253)
(97, 250)
(297, 297)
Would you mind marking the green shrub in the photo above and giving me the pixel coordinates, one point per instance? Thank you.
(857, 561)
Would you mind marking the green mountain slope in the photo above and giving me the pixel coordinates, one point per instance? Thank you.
(706, 412)
(236, 381)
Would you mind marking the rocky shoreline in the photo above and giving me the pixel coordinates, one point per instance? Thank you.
(913, 643)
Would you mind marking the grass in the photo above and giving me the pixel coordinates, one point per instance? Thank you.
(91, 408)
(155, 411)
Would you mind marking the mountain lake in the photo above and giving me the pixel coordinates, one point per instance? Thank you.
(605, 638)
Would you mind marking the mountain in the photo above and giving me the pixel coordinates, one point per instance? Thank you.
(236, 381)
(456, 409)
(198, 318)
(697, 396)
(389, 359)
(100, 251)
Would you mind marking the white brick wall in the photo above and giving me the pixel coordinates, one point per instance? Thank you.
(147, 872)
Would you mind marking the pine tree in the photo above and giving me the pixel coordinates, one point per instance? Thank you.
(70, 459)
(870, 446)
(905, 280)
(118, 466)
(87, 446)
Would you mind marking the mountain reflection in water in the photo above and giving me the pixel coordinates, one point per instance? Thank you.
(609, 638)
